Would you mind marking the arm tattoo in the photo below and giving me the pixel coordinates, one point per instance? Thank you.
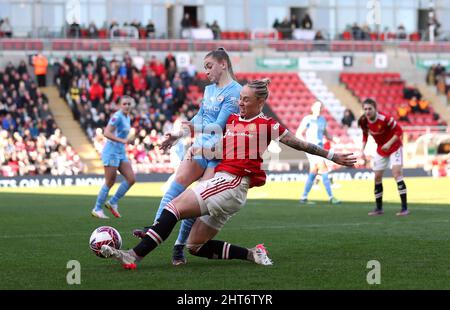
(300, 145)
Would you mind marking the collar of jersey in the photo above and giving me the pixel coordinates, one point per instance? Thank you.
(249, 120)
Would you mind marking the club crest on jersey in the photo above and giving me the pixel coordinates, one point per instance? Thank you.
(252, 127)
(220, 98)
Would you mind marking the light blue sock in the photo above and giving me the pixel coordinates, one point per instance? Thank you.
(185, 229)
(121, 191)
(309, 184)
(101, 198)
(327, 184)
(174, 190)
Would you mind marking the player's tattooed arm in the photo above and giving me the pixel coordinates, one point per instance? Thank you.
(344, 159)
(300, 145)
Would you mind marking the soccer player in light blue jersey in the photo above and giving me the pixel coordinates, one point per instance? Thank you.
(114, 158)
(313, 128)
(220, 100)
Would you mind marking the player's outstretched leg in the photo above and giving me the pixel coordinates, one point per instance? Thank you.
(102, 195)
(216, 249)
(174, 191)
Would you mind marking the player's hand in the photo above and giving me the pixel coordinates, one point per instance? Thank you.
(344, 159)
(188, 127)
(386, 147)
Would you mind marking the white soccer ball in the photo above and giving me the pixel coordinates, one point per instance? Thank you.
(104, 235)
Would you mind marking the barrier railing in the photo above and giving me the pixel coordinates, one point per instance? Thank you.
(287, 46)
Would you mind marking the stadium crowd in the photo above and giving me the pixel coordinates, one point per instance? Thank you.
(30, 142)
(92, 88)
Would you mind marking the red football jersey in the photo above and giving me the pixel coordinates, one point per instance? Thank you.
(382, 130)
(244, 143)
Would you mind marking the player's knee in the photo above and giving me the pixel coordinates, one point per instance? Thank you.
(183, 179)
(378, 178)
(131, 181)
(193, 248)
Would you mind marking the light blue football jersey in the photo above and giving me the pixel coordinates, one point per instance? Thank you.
(122, 124)
(315, 129)
(217, 105)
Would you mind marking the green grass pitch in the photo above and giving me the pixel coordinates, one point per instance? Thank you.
(313, 247)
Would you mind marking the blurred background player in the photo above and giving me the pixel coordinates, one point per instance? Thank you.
(214, 201)
(114, 158)
(387, 134)
(312, 129)
(219, 102)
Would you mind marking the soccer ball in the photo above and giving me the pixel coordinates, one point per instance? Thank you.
(104, 235)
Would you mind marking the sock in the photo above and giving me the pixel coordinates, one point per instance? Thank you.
(158, 232)
(379, 195)
(327, 184)
(174, 190)
(101, 198)
(215, 249)
(121, 191)
(309, 184)
(185, 229)
(401, 186)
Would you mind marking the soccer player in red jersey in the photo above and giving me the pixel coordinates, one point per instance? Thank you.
(387, 133)
(216, 200)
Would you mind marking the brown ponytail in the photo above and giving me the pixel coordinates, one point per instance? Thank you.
(220, 54)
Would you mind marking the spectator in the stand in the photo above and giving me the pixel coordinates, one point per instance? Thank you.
(403, 110)
(276, 24)
(414, 104)
(401, 32)
(167, 93)
(136, 24)
(431, 75)
(186, 21)
(169, 58)
(215, 28)
(158, 67)
(434, 22)
(285, 29)
(294, 22)
(319, 36)
(357, 32)
(74, 29)
(348, 118)
(113, 24)
(307, 22)
(92, 30)
(22, 68)
(439, 69)
(40, 64)
(171, 70)
(150, 30)
(97, 91)
(6, 28)
(424, 106)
